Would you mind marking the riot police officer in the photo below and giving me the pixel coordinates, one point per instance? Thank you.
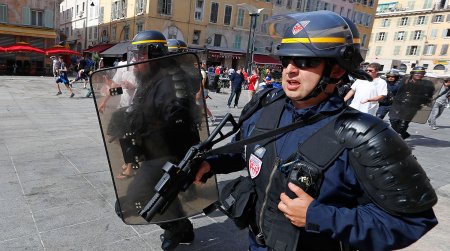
(307, 197)
(415, 92)
(160, 120)
(392, 80)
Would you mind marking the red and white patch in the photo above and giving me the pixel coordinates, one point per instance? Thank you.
(296, 29)
(254, 166)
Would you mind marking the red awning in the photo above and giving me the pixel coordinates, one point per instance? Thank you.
(98, 48)
(265, 59)
(60, 50)
(2, 49)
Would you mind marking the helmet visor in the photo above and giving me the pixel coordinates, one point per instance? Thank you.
(318, 30)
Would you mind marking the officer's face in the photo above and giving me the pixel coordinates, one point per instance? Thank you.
(418, 76)
(299, 81)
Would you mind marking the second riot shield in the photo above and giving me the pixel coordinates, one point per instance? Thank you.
(148, 116)
(415, 98)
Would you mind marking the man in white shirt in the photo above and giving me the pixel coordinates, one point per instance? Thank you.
(366, 94)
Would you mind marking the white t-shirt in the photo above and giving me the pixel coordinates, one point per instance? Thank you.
(365, 89)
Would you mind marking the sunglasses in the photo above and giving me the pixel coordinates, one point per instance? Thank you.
(370, 71)
(301, 62)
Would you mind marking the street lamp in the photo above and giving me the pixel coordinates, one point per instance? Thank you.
(254, 13)
(86, 26)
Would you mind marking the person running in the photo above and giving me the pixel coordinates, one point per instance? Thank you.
(62, 71)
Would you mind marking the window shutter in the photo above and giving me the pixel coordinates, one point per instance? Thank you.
(448, 18)
(418, 49)
(434, 49)
(395, 36)
(48, 18)
(102, 13)
(385, 36)
(26, 20)
(405, 36)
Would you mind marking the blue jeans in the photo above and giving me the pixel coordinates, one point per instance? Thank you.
(237, 92)
(382, 111)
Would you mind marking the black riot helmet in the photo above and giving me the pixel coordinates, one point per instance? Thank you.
(173, 45)
(176, 46)
(418, 70)
(183, 46)
(148, 44)
(394, 74)
(319, 34)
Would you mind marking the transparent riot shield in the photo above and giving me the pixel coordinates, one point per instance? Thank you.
(148, 116)
(415, 99)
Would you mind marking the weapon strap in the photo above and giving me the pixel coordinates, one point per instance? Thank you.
(237, 146)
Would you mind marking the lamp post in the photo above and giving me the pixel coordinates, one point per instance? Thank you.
(86, 26)
(254, 13)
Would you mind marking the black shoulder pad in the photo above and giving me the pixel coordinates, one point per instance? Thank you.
(260, 99)
(384, 165)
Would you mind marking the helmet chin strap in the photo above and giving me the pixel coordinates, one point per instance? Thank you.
(323, 82)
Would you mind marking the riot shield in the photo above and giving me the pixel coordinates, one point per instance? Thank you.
(414, 100)
(148, 116)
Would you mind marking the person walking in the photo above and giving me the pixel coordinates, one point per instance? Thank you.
(366, 94)
(237, 78)
(63, 78)
(252, 83)
(439, 104)
(368, 193)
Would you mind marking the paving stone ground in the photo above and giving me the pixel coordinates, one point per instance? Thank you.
(56, 191)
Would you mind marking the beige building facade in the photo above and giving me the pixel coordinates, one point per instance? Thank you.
(411, 33)
(33, 22)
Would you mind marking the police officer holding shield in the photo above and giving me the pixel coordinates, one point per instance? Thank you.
(369, 193)
(158, 126)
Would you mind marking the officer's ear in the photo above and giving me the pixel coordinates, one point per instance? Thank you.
(337, 72)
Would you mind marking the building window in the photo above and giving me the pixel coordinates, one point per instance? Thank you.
(95, 32)
(299, 4)
(377, 50)
(140, 6)
(434, 33)
(444, 50)
(3, 13)
(139, 27)
(240, 18)
(165, 7)
(289, 4)
(381, 36)
(113, 33)
(227, 17)
(411, 50)
(363, 41)
(417, 35)
(400, 36)
(214, 12)
(404, 21)
(217, 40)
(397, 50)
(325, 6)
(264, 25)
(429, 50)
(279, 2)
(421, 20)
(385, 22)
(37, 17)
(198, 15)
(90, 33)
(126, 33)
(438, 18)
(196, 37)
(237, 42)
(115, 10)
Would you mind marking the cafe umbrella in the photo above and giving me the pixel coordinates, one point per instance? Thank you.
(60, 50)
(23, 47)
